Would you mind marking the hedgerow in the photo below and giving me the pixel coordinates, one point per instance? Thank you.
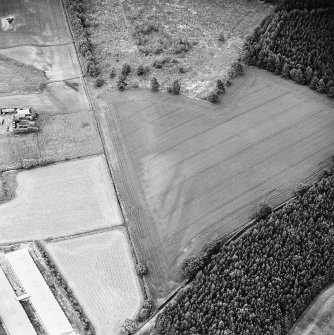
(76, 12)
(261, 283)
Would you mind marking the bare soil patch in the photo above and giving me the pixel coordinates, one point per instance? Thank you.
(318, 319)
(189, 172)
(57, 62)
(139, 32)
(113, 293)
(60, 199)
(32, 22)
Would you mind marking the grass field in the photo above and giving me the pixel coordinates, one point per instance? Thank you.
(60, 199)
(198, 22)
(318, 319)
(100, 271)
(189, 172)
(34, 22)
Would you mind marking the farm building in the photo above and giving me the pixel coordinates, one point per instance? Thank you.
(23, 119)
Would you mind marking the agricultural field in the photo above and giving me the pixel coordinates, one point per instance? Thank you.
(189, 172)
(36, 22)
(41, 70)
(17, 78)
(60, 199)
(109, 291)
(58, 62)
(186, 33)
(318, 319)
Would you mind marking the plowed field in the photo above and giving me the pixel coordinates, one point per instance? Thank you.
(101, 273)
(189, 172)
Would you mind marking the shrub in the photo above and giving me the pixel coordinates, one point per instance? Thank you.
(121, 83)
(183, 70)
(220, 86)
(126, 69)
(29, 163)
(213, 97)
(175, 88)
(91, 69)
(263, 210)
(154, 84)
(140, 70)
(99, 82)
(158, 63)
(112, 73)
(301, 189)
(141, 269)
(192, 265)
(221, 37)
(331, 92)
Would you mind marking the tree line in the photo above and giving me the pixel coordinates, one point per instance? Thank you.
(297, 45)
(261, 283)
(301, 4)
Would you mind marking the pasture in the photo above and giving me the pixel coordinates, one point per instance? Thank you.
(99, 269)
(34, 22)
(60, 199)
(318, 318)
(189, 172)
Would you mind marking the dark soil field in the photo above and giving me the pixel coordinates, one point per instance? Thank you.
(36, 22)
(189, 172)
(186, 33)
(318, 318)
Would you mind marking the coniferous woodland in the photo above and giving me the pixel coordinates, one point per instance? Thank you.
(297, 44)
(261, 283)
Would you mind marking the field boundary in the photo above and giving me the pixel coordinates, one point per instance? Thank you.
(145, 290)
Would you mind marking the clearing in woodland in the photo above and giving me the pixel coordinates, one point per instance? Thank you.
(318, 319)
(196, 40)
(60, 199)
(100, 271)
(189, 172)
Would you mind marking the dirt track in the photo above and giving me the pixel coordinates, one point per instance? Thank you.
(189, 172)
